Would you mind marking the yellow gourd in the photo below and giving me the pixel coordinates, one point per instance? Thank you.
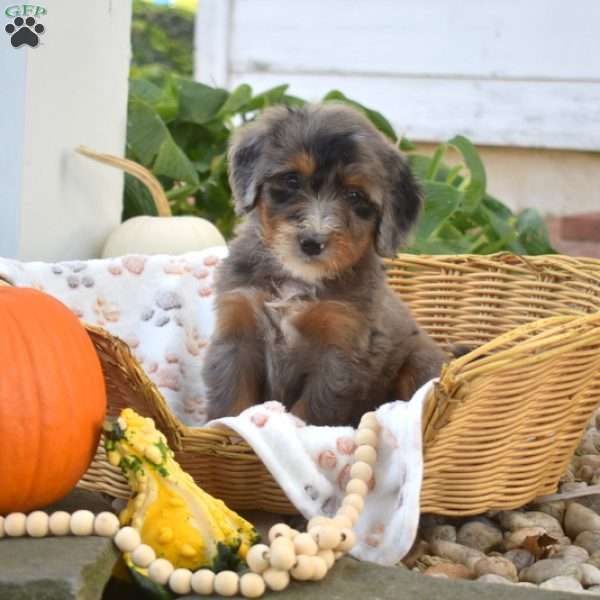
(174, 516)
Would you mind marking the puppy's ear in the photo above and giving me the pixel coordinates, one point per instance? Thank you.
(402, 203)
(244, 173)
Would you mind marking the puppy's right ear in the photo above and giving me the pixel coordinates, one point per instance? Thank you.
(244, 157)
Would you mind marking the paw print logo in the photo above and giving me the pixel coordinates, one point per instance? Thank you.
(24, 31)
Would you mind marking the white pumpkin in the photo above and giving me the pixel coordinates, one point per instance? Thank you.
(164, 234)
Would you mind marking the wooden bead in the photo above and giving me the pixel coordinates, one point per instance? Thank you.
(366, 454)
(82, 523)
(203, 582)
(227, 583)
(316, 521)
(319, 568)
(357, 486)
(258, 558)
(279, 530)
(276, 579)
(341, 521)
(106, 524)
(143, 555)
(36, 524)
(350, 512)
(59, 523)
(180, 581)
(14, 524)
(328, 557)
(303, 569)
(354, 500)
(365, 437)
(283, 555)
(128, 539)
(160, 570)
(305, 544)
(252, 585)
(369, 421)
(327, 537)
(348, 541)
(362, 471)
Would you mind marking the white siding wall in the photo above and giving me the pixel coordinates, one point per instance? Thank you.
(69, 90)
(504, 72)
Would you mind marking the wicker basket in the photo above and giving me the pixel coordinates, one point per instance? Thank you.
(502, 424)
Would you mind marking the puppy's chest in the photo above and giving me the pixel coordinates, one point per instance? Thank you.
(286, 301)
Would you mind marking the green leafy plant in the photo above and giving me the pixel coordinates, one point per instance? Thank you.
(180, 130)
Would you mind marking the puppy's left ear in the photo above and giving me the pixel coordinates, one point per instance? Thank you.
(402, 203)
(244, 156)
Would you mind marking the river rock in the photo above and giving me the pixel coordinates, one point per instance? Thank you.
(496, 565)
(590, 540)
(520, 557)
(548, 568)
(579, 518)
(514, 520)
(562, 583)
(479, 535)
(440, 532)
(590, 442)
(457, 553)
(590, 460)
(554, 509)
(590, 575)
(493, 578)
(450, 570)
(515, 539)
(571, 552)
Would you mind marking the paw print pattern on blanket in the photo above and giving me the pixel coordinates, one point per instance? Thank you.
(161, 306)
(312, 465)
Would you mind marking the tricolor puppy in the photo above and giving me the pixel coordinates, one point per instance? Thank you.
(304, 312)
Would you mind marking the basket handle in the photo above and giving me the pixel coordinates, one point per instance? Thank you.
(161, 202)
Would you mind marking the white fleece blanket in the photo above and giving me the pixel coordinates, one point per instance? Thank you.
(162, 307)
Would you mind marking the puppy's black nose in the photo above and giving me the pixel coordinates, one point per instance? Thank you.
(312, 245)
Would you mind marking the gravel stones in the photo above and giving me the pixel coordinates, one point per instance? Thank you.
(480, 535)
(579, 518)
(550, 567)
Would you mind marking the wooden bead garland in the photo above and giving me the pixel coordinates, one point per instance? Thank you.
(303, 556)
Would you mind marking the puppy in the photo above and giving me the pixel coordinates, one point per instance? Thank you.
(304, 314)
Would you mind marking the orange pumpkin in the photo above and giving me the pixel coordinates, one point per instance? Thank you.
(52, 399)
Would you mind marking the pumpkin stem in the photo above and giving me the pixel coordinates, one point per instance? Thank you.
(161, 201)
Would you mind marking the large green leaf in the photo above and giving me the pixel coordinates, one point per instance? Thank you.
(162, 99)
(199, 103)
(265, 99)
(137, 199)
(145, 131)
(533, 233)
(476, 183)
(236, 100)
(441, 201)
(172, 162)
(374, 116)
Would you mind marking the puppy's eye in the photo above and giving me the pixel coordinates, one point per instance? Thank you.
(292, 181)
(359, 203)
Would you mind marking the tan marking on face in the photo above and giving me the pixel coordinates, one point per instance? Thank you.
(302, 163)
(357, 180)
(330, 323)
(346, 250)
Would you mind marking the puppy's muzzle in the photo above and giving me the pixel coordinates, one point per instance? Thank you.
(312, 245)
